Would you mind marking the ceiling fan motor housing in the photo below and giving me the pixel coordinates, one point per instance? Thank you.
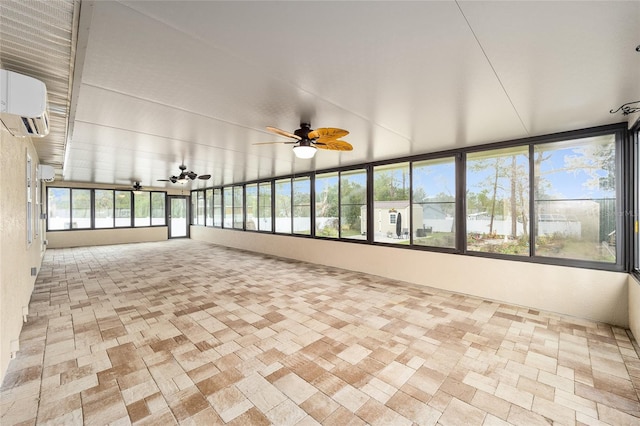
(303, 132)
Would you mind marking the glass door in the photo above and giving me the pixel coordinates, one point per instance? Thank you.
(178, 217)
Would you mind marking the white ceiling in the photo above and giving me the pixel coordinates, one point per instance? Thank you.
(160, 83)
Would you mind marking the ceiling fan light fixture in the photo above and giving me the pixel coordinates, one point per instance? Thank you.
(304, 151)
(183, 180)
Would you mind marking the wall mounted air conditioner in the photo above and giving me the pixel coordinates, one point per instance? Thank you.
(23, 105)
(46, 173)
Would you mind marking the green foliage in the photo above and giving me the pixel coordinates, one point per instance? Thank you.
(388, 186)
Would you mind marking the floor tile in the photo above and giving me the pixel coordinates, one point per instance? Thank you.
(127, 334)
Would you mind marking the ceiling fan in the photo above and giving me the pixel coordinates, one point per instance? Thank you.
(307, 140)
(184, 176)
(136, 187)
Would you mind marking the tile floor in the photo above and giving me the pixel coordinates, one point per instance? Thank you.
(192, 333)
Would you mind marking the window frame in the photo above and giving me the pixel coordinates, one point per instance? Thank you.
(265, 184)
(92, 208)
(627, 203)
(350, 172)
(633, 199)
(218, 207)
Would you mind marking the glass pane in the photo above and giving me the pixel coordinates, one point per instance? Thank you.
(200, 213)
(353, 204)
(264, 209)
(194, 207)
(636, 221)
(327, 205)
(283, 206)
(81, 208)
(238, 208)
(302, 205)
(123, 208)
(228, 207)
(209, 204)
(103, 208)
(575, 199)
(391, 211)
(142, 206)
(217, 207)
(158, 203)
(179, 216)
(252, 206)
(434, 196)
(498, 201)
(58, 208)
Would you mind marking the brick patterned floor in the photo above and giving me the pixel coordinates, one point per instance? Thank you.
(192, 333)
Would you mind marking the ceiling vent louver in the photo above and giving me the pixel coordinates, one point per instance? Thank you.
(23, 105)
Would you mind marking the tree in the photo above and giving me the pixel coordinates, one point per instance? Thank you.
(390, 187)
(505, 184)
(353, 197)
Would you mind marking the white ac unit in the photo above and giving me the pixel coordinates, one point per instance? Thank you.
(23, 105)
(46, 173)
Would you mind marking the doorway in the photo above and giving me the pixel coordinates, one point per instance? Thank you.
(178, 217)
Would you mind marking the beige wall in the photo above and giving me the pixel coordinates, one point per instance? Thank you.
(99, 237)
(584, 293)
(634, 307)
(16, 256)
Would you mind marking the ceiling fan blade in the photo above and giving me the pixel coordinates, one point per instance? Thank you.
(163, 180)
(327, 133)
(334, 145)
(204, 177)
(283, 133)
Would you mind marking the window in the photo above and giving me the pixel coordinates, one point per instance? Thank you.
(238, 207)
(575, 199)
(74, 208)
(327, 221)
(58, 208)
(29, 179)
(81, 208)
(103, 208)
(555, 202)
(434, 201)
(123, 208)
(194, 207)
(158, 206)
(283, 216)
(353, 204)
(201, 212)
(217, 207)
(142, 207)
(498, 201)
(636, 190)
(391, 185)
(302, 205)
(228, 207)
(252, 206)
(264, 206)
(68, 208)
(38, 204)
(197, 207)
(208, 219)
